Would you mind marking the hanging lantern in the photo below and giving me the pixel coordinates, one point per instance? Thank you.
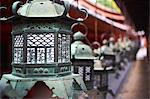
(41, 49)
(101, 73)
(41, 46)
(82, 59)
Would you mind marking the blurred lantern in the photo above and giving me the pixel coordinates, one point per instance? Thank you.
(82, 59)
(106, 66)
(101, 74)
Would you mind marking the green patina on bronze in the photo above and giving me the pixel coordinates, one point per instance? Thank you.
(41, 34)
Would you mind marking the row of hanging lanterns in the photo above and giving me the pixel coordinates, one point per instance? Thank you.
(41, 51)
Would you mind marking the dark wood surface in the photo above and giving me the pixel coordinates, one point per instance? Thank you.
(136, 85)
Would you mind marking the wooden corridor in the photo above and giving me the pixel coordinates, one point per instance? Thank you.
(136, 85)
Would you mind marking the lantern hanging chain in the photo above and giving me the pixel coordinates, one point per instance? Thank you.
(88, 41)
(81, 20)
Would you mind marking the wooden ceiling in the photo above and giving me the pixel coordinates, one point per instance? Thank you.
(98, 26)
(138, 11)
(99, 29)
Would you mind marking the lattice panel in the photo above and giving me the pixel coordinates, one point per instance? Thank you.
(80, 71)
(18, 55)
(68, 48)
(40, 55)
(87, 73)
(31, 55)
(50, 55)
(18, 41)
(87, 69)
(63, 48)
(59, 48)
(46, 39)
(87, 77)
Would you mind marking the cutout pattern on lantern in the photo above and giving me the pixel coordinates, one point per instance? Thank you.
(40, 48)
(30, 55)
(50, 55)
(18, 41)
(80, 71)
(63, 48)
(87, 73)
(40, 55)
(18, 55)
(40, 39)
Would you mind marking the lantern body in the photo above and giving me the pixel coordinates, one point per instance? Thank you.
(85, 68)
(82, 60)
(41, 48)
(101, 74)
(101, 79)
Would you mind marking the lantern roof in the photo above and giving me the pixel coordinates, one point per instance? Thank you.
(78, 36)
(41, 8)
(81, 50)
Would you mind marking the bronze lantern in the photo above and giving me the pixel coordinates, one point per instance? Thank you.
(101, 74)
(82, 59)
(41, 49)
